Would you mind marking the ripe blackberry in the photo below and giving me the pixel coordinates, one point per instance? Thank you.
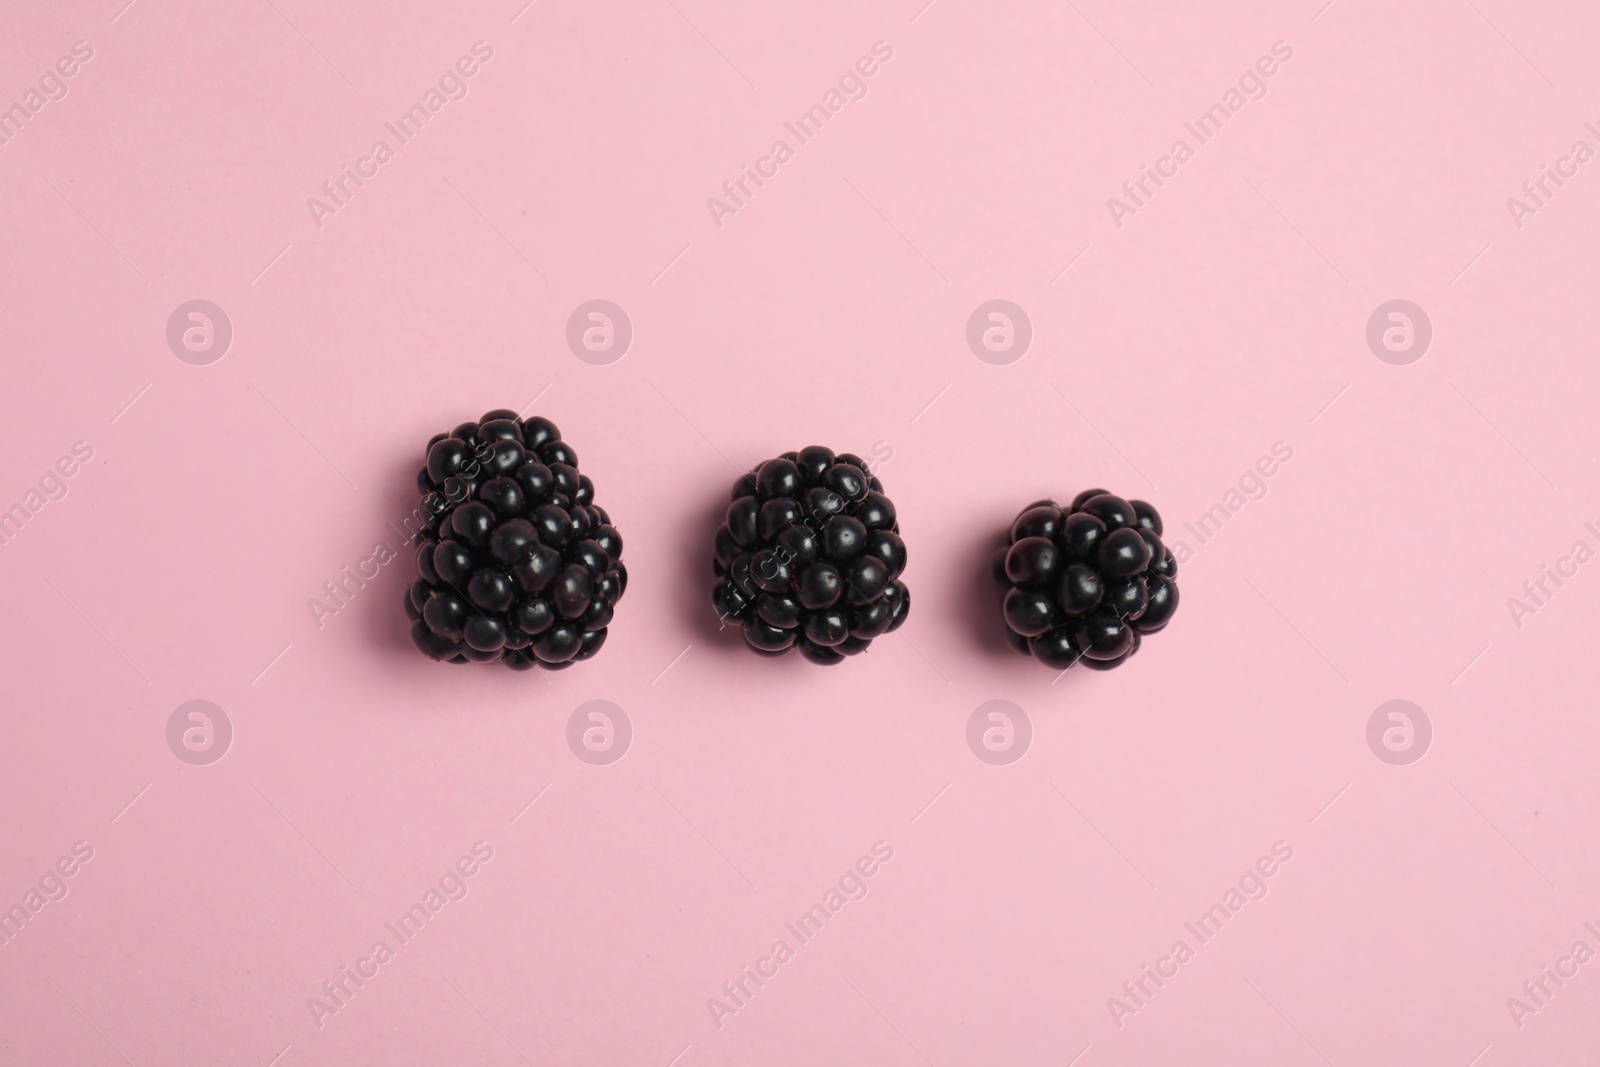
(516, 562)
(1085, 582)
(810, 557)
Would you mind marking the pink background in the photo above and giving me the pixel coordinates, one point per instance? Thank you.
(1226, 315)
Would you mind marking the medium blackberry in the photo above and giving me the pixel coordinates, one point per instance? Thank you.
(1086, 581)
(516, 562)
(810, 557)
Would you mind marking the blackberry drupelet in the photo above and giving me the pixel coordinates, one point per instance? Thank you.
(1085, 582)
(810, 557)
(515, 561)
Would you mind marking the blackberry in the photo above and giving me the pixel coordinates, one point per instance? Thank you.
(1085, 582)
(810, 557)
(515, 561)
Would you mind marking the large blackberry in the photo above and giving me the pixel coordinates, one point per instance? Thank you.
(516, 561)
(1086, 581)
(810, 557)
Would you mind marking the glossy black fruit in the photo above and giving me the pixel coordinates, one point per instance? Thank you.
(1080, 590)
(828, 628)
(819, 586)
(810, 557)
(1040, 520)
(1122, 554)
(1085, 582)
(1033, 561)
(865, 580)
(1054, 648)
(1110, 509)
(516, 564)
(1100, 635)
(1080, 535)
(887, 546)
(1029, 613)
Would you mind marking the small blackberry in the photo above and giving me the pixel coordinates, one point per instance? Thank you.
(810, 557)
(1085, 582)
(515, 561)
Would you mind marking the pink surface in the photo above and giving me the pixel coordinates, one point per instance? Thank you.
(1172, 347)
